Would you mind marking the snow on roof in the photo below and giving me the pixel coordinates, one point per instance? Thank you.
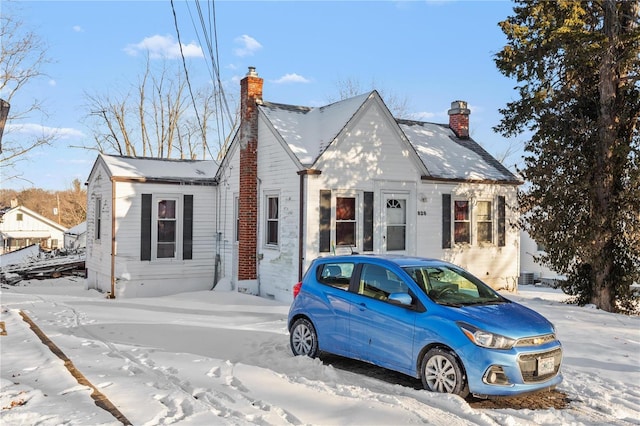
(80, 228)
(307, 130)
(448, 157)
(160, 168)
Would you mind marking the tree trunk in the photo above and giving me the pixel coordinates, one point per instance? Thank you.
(605, 166)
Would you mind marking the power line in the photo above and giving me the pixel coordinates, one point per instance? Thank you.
(209, 26)
(186, 72)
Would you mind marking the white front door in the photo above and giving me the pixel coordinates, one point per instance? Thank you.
(394, 221)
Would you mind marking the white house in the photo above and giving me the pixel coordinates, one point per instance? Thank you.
(150, 226)
(21, 227)
(531, 268)
(300, 182)
(296, 183)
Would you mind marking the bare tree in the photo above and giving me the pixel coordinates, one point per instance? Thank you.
(22, 57)
(350, 87)
(155, 118)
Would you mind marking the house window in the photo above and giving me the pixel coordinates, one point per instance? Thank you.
(98, 218)
(272, 220)
(489, 224)
(167, 229)
(346, 221)
(461, 222)
(19, 217)
(236, 214)
(484, 222)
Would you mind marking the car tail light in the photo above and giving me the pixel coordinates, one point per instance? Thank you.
(296, 289)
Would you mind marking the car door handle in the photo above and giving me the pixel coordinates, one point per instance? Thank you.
(362, 306)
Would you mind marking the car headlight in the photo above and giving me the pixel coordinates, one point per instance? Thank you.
(486, 339)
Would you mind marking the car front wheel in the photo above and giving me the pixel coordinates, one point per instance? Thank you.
(303, 338)
(441, 372)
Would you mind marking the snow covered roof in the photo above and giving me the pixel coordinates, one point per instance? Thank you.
(80, 228)
(447, 157)
(308, 131)
(160, 169)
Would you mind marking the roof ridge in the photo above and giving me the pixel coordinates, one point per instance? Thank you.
(130, 157)
(288, 107)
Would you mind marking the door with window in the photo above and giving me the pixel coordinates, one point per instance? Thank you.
(394, 222)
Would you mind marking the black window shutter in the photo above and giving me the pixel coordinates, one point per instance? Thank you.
(145, 228)
(446, 220)
(502, 222)
(367, 244)
(325, 221)
(187, 228)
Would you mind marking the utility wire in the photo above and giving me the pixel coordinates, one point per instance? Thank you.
(220, 99)
(186, 72)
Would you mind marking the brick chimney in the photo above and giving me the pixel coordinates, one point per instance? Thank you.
(459, 119)
(250, 95)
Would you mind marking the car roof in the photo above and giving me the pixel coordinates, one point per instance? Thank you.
(399, 260)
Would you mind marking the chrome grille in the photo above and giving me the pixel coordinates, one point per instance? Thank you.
(536, 340)
(529, 365)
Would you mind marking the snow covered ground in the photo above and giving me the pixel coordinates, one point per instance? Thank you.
(223, 358)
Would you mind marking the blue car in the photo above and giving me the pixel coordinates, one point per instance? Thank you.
(425, 318)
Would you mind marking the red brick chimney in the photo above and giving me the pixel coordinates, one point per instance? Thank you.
(459, 119)
(250, 93)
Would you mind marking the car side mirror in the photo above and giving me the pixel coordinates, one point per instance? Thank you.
(400, 298)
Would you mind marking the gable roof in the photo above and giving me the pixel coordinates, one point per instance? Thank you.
(145, 169)
(307, 131)
(37, 216)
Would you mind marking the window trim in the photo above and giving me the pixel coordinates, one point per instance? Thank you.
(178, 219)
(97, 215)
(268, 196)
(468, 221)
(498, 221)
(358, 221)
(476, 221)
(236, 215)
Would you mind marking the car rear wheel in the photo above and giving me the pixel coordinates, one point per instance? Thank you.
(441, 372)
(303, 338)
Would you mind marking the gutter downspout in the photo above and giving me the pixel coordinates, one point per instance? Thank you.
(113, 239)
(300, 226)
(301, 216)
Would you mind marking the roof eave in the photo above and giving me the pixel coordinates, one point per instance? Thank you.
(463, 180)
(168, 181)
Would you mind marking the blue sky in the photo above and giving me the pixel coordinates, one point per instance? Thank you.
(429, 53)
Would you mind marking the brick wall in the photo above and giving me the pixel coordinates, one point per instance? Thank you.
(250, 92)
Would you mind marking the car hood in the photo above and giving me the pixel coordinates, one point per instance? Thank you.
(508, 319)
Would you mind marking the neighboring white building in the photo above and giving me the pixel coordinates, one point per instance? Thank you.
(531, 269)
(76, 237)
(299, 182)
(21, 227)
(150, 226)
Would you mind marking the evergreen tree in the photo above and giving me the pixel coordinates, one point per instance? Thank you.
(577, 66)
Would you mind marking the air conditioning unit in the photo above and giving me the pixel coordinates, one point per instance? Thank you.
(526, 278)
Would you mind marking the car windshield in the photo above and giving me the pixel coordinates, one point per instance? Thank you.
(448, 285)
